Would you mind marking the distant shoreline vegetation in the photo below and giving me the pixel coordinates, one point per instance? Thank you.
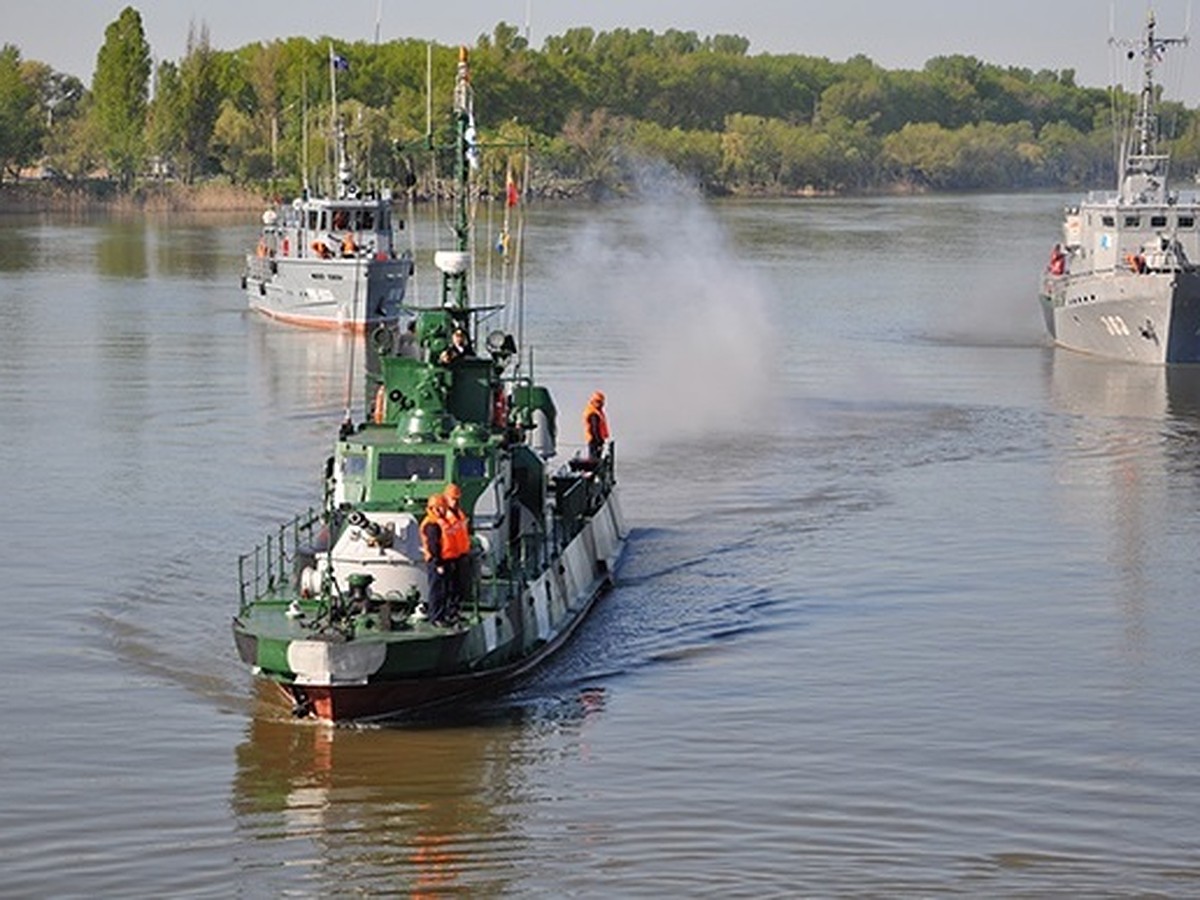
(591, 107)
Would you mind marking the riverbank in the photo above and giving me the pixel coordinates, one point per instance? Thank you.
(162, 197)
(50, 196)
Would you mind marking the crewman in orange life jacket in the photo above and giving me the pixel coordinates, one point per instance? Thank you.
(456, 551)
(595, 425)
(433, 547)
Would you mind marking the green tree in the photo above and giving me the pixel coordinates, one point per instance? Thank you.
(165, 116)
(72, 146)
(120, 87)
(236, 141)
(921, 154)
(200, 100)
(593, 141)
(1072, 158)
(20, 122)
(696, 154)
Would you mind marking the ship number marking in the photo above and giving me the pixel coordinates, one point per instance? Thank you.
(1116, 326)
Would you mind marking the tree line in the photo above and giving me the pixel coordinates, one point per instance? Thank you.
(589, 104)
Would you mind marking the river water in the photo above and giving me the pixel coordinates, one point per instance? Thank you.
(909, 606)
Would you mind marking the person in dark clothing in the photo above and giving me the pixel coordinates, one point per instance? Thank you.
(459, 346)
(433, 549)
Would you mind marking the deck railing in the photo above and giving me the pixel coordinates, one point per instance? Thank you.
(270, 564)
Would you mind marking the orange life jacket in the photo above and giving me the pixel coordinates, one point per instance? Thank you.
(601, 424)
(456, 534)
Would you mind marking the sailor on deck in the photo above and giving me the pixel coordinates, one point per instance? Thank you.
(433, 544)
(1058, 261)
(459, 346)
(595, 425)
(456, 551)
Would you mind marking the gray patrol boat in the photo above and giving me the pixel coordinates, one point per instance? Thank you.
(1125, 281)
(330, 262)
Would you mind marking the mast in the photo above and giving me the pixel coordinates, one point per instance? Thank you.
(454, 265)
(343, 178)
(1152, 51)
(1143, 167)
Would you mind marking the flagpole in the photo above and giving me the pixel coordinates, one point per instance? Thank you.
(429, 90)
(304, 131)
(332, 93)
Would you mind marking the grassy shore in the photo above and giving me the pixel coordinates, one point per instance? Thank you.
(159, 197)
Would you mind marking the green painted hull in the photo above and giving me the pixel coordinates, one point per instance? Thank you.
(393, 663)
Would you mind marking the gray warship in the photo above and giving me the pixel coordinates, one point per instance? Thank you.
(331, 261)
(1125, 281)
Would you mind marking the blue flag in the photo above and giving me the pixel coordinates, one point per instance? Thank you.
(340, 62)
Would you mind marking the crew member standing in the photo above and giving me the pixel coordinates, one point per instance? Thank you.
(595, 425)
(433, 547)
(456, 551)
(1058, 261)
(459, 346)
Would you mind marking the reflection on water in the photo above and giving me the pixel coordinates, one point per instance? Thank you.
(433, 806)
(1183, 392)
(1126, 457)
(1094, 387)
(137, 247)
(331, 365)
(121, 251)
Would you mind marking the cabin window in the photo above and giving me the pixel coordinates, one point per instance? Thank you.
(354, 466)
(471, 467)
(1109, 221)
(1187, 222)
(366, 220)
(411, 467)
(1158, 221)
(1133, 221)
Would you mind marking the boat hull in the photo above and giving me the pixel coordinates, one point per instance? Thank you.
(351, 294)
(387, 676)
(1151, 318)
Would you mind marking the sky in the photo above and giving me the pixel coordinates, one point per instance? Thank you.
(896, 34)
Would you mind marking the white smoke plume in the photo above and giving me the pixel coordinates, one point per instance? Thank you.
(691, 326)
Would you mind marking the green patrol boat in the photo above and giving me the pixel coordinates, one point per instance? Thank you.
(333, 606)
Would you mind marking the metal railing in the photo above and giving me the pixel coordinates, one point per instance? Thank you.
(267, 567)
